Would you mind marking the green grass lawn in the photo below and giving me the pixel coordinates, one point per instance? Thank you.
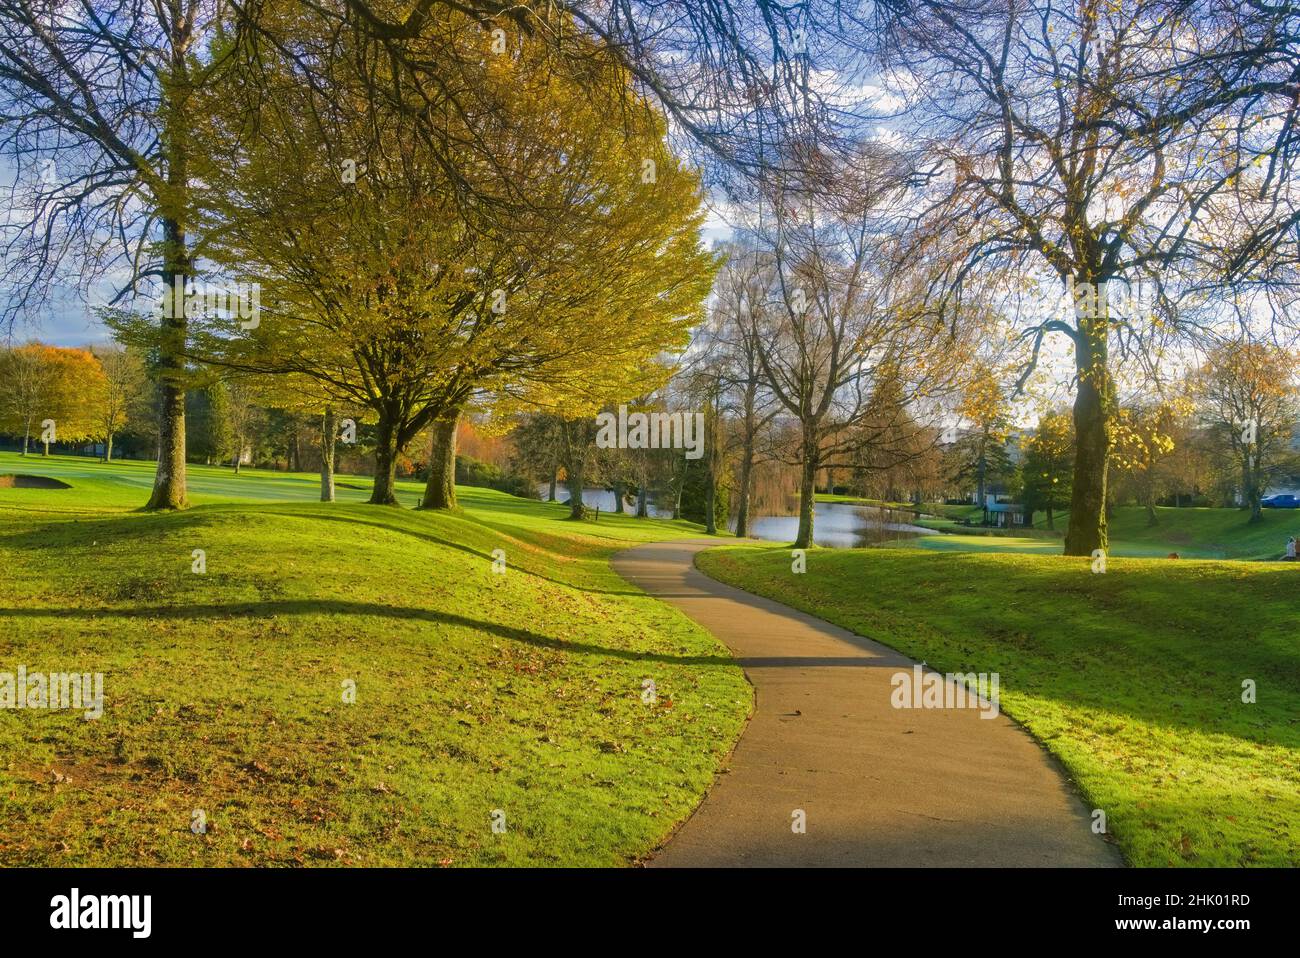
(126, 483)
(475, 692)
(1192, 533)
(1207, 533)
(1133, 678)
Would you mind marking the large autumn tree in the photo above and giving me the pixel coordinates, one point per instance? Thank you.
(549, 266)
(40, 383)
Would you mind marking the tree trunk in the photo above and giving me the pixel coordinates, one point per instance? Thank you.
(1051, 518)
(328, 435)
(440, 490)
(108, 448)
(1255, 491)
(1093, 408)
(710, 503)
(642, 504)
(574, 472)
(169, 487)
(742, 506)
(713, 464)
(550, 497)
(1087, 531)
(618, 498)
(804, 537)
(169, 490)
(384, 492)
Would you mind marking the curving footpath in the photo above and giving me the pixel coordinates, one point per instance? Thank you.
(878, 786)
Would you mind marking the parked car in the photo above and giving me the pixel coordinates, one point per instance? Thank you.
(1282, 500)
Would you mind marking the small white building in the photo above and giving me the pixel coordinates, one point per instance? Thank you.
(1004, 515)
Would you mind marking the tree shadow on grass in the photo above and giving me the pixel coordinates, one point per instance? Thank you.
(91, 529)
(485, 556)
(142, 525)
(268, 609)
(1151, 650)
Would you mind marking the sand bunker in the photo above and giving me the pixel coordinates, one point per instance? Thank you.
(31, 482)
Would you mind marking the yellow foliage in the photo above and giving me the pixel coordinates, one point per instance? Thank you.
(39, 382)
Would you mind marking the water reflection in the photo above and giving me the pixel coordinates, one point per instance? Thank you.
(841, 526)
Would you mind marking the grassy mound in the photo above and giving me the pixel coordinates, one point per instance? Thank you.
(479, 697)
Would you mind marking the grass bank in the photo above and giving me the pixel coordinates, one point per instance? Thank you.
(514, 696)
(1133, 679)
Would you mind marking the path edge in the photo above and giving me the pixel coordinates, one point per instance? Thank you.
(723, 767)
(1072, 784)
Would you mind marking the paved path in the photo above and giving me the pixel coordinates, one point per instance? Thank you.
(879, 786)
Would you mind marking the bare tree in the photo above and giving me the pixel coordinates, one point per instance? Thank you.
(97, 114)
(730, 343)
(1105, 145)
(844, 344)
(124, 383)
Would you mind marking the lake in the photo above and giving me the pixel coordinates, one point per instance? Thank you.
(841, 526)
(836, 525)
